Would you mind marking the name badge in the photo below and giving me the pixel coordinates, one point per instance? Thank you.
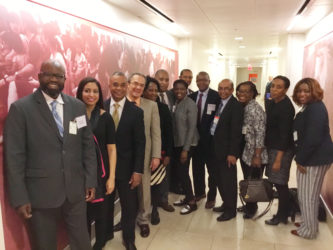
(295, 135)
(216, 119)
(244, 129)
(72, 128)
(81, 121)
(173, 108)
(210, 108)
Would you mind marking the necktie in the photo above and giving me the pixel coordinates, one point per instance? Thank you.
(115, 115)
(163, 98)
(57, 118)
(199, 108)
(217, 116)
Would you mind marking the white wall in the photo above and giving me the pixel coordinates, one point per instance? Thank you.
(320, 29)
(243, 75)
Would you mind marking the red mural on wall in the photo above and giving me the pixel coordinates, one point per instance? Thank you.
(318, 63)
(27, 38)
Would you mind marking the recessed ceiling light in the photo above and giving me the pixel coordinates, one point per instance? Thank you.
(238, 38)
(242, 47)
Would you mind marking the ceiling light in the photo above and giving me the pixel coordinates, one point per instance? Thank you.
(242, 47)
(239, 38)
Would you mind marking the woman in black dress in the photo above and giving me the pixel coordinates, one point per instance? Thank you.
(89, 91)
(279, 143)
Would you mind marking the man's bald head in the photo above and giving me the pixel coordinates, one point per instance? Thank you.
(162, 77)
(225, 88)
(52, 77)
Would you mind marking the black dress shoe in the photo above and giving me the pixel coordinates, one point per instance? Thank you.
(144, 230)
(117, 227)
(276, 221)
(188, 208)
(129, 245)
(225, 216)
(180, 203)
(166, 206)
(248, 215)
(219, 209)
(241, 209)
(155, 217)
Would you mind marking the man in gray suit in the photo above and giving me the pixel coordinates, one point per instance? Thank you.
(51, 160)
(153, 146)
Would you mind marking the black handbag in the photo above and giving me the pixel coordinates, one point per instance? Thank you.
(256, 190)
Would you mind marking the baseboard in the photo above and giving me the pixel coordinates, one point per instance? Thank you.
(329, 216)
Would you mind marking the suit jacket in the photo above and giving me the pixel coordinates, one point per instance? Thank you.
(203, 126)
(166, 128)
(312, 137)
(43, 168)
(152, 131)
(185, 131)
(228, 133)
(130, 141)
(171, 98)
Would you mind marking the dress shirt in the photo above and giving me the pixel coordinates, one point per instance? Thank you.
(203, 100)
(60, 105)
(214, 125)
(165, 98)
(120, 108)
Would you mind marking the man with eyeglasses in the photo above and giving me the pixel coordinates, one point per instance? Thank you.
(136, 85)
(51, 160)
(226, 137)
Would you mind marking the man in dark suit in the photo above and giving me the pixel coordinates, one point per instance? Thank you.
(130, 141)
(207, 101)
(166, 96)
(51, 160)
(226, 132)
(187, 76)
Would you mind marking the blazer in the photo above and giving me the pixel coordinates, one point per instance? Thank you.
(312, 137)
(228, 133)
(44, 168)
(130, 141)
(166, 128)
(204, 125)
(151, 119)
(184, 120)
(254, 130)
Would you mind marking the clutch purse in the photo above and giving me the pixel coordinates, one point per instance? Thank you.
(158, 175)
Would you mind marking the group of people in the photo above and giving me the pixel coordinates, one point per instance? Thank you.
(66, 157)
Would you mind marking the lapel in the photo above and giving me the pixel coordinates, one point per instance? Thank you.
(67, 114)
(225, 110)
(46, 113)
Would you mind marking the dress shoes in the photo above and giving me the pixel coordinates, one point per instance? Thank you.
(117, 227)
(248, 216)
(200, 197)
(188, 208)
(129, 245)
(219, 209)
(155, 217)
(297, 224)
(144, 230)
(294, 232)
(275, 221)
(225, 217)
(166, 206)
(179, 203)
(209, 204)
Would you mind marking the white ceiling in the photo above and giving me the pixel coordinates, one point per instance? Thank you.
(215, 23)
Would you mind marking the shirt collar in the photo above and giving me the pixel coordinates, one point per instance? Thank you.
(225, 101)
(204, 93)
(121, 102)
(49, 99)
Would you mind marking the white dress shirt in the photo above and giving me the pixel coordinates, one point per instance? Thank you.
(203, 100)
(120, 108)
(59, 107)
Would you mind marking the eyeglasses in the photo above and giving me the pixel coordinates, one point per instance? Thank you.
(50, 75)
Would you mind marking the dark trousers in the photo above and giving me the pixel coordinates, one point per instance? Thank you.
(98, 212)
(183, 173)
(129, 209)
(283, 206)
(164, 187)
(44, 226)
(199, 160)
(175, 185)
(254, 173)
(226, 180)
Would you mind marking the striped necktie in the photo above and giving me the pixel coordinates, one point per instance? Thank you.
(57, 118)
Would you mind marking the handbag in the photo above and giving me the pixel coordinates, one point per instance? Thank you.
(158, 175)
(256, 190)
